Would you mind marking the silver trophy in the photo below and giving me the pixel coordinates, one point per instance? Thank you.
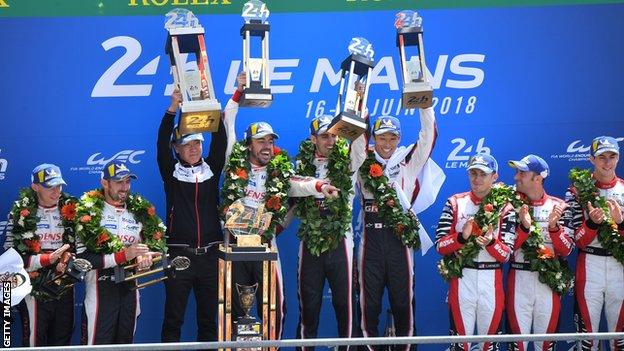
(257, 91)
(349, 121)
(201, 112)
(417, 90)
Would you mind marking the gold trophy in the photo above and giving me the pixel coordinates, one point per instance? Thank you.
(417, 90)
(201, 112)
(169, 267)
(59, 279)
(349, 121)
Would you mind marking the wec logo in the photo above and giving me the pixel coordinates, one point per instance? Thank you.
(123, 156)
(577, 151)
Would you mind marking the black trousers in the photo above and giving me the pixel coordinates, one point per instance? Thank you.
(385, 263)
(47, 323)
(335, 266)
(202, 278)
(110, 310)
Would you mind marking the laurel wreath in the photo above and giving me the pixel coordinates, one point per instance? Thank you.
(100, 240)
(405, 225)
(322, 233)
(277, 185)
(586, 190)
(25, 238)
(551, 271)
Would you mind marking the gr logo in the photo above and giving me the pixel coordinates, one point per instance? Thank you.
(458, 157)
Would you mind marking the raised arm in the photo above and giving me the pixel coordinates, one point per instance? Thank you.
(164, 155)
(416, 159)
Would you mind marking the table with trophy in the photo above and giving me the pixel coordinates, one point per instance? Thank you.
(244, 227)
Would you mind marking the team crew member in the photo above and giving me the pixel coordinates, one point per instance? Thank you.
(268, 179)
(477, 298)
(111, 308)
(326, 157)
(384, 261)
(531, 303)
(46, 321)
(191, 186)
(599, 275)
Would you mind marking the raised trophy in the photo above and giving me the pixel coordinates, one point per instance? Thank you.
(257, 92)
(417, 90)
(247, 328)
(67, 272)
(349, 121)
(201, 112)
(169, 267)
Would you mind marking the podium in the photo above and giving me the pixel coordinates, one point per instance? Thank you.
(232, 253)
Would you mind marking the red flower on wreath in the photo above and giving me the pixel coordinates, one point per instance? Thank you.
(102, 238)
(276, 150)
(274, 203)
(476, 230)
(157, 236)
(400, 228)
(85, 219)
(33, 245)
(545, 253)
(241, 173)
(24, 213)
(151, 211)
(69, 211)
(390, 203)
(488, 208)
(94, 193)
(375, 170)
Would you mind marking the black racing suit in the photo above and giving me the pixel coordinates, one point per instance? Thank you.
(192, 196)
(334, 265)
(383, 259)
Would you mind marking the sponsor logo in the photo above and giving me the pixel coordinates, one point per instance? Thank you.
(458, 157)
(95, 163)
(577, 151)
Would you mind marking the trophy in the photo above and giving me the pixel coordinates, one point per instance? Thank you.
(127, 273)
(349, 121)
(257, 92)
(247, 328)
(246, 225)
(67, 272)
(201, 111)
(417, 90)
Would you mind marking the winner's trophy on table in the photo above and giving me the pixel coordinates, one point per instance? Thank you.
(417, 90)
(257, 92)
(244, 226)
(349, 121)
(201, 112)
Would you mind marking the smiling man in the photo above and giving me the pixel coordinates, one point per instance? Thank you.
(599, 275)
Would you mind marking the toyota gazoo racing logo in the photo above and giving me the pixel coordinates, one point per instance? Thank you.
(96, 161)
(577, 151)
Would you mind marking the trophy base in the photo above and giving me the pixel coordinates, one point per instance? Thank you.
(236, 248)
(347, 125)
(200, 116)
(249, 240)
(417, 95)
(247, 329)
(256, 98)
